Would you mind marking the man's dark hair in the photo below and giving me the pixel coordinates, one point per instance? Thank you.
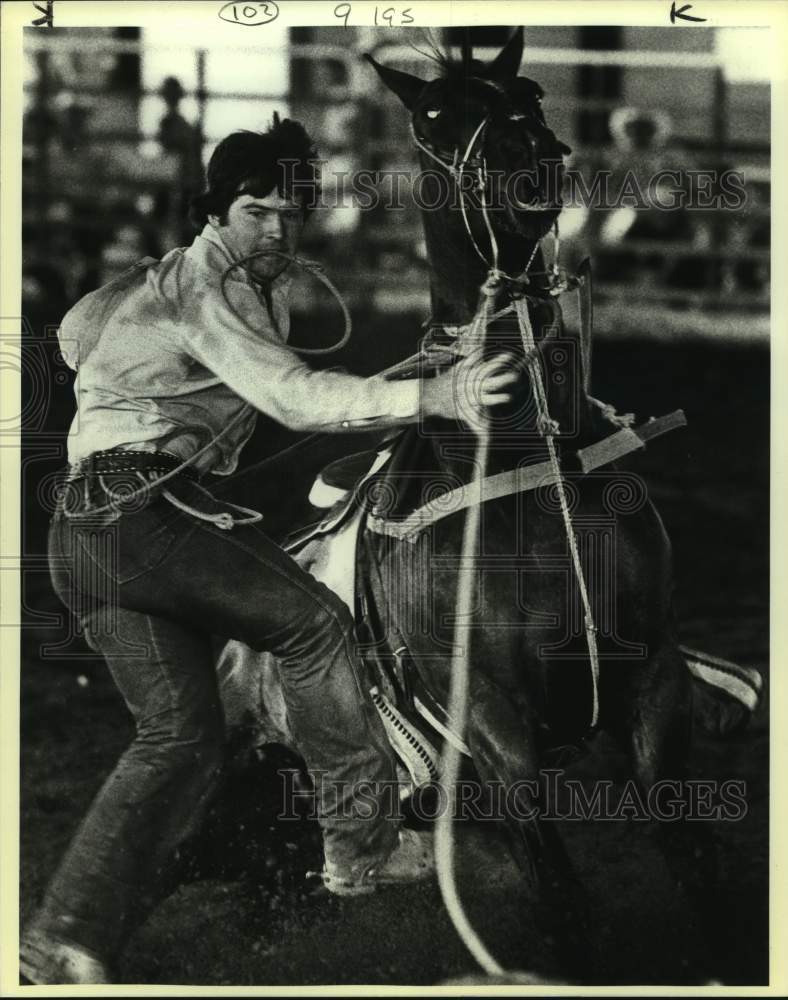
(283, 158)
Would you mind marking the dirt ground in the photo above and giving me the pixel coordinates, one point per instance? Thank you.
(243, 913)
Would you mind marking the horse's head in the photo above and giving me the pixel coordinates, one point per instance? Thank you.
(483, 120)
(492, 172)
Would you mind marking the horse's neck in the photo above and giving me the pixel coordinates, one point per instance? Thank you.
(456, 272)
(458, 269)
(562, 381)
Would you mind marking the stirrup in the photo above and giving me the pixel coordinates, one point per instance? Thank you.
(412, 860)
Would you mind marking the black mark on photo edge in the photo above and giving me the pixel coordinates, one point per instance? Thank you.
(47, 12)
(681, 15)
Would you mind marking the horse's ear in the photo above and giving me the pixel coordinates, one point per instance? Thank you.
(507, 62)
(406, 87)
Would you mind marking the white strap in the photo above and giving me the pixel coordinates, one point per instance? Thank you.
(522, 479)
(519, 480)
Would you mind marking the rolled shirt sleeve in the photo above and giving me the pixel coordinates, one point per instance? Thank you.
(275, 380)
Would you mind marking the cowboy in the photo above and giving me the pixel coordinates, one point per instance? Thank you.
(176, 357)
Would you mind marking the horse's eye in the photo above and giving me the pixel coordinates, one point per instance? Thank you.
(433, 113)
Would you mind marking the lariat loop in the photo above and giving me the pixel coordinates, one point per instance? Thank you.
(307, 265)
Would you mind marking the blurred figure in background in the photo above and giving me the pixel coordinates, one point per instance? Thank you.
(642, 198)
(181, 139)
(641, 154)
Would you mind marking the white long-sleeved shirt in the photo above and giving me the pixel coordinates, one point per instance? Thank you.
(168, 365)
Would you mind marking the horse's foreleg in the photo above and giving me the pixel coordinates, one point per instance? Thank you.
(504, 753)
(659, 743)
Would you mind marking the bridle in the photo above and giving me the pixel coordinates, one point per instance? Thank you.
(473, 164)
(458, 169)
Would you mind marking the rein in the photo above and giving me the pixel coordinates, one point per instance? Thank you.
(548, 428)
(458, 169)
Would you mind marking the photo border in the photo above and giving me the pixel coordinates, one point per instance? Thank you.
(14, 16)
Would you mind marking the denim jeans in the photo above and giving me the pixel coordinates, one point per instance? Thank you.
(150, 588)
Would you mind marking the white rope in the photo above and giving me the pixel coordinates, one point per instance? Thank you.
(314, 268)
(224, 519)
(450, 167)
(445, 854)
(458, 693)
(165, 477)
(482, 180)
(486, 217)
(457, 169)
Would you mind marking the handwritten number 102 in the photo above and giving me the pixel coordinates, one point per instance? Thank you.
(388, 16)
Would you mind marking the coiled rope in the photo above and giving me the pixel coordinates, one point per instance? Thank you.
(307, 265)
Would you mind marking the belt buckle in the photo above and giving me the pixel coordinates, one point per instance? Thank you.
(80, 470)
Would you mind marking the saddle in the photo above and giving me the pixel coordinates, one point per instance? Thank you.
(391, 492)
(397, 492)
(382, 484)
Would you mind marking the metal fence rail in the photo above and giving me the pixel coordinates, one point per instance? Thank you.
(112, 178)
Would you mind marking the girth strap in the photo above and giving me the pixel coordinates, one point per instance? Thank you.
(502, 484)
(628, 439)
(523, 479)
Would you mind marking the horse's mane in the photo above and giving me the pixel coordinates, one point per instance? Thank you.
(433, 52)
(451, 69)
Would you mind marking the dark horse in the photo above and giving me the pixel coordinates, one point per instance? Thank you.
(531, 686)
(530, 682)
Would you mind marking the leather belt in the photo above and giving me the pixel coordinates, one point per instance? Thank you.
(119, 460)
